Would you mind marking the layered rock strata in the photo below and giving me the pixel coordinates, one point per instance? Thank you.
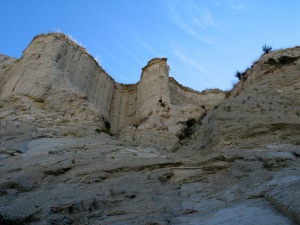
(241, 166)
(263, 108)
(59, 89)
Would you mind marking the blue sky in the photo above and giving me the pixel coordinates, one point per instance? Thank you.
(205, 41)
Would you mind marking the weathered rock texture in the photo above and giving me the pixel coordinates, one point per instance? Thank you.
(55, 86)
(98, 180)
(60, 89)
(237, 162)
(157, 106)
(263, 108)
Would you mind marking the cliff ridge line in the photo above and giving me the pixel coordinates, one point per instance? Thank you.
(57, 86)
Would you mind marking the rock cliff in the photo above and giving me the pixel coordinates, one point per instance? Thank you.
(235, 158)
(263, 108)
(61, 90)
(56, 87)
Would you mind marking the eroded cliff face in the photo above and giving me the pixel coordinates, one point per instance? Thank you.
(162, 107)
(262, 110)
(56, 87)
(60, 90)
(242, 162)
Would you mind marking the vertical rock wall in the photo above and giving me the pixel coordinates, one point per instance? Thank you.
(162, 106)
(123, 107)
(153, 86)
(56, 83)
(54, 62)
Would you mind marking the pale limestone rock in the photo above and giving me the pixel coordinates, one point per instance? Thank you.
(162, 105)
(263, 108)
(52, 172)
(60, 89)
(55, 84)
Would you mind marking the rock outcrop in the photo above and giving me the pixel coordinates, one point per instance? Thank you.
(263, 108)
(158, 107)
(55, 87)
(59, 89)
(236, 159)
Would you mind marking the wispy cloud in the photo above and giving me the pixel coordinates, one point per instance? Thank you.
(216, 2)
(192, 19)
(143, 43)
(192, 64)
(129, 52)
(237, 5)
(206, 20)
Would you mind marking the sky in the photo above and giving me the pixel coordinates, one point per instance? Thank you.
(206, 41)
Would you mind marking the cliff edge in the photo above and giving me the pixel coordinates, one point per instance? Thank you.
(236, 158)
(58, 89)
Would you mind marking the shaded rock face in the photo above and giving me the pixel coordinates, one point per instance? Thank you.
(98, 180)
(263, 108)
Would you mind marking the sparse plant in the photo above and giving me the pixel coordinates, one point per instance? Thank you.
(238, 75)
(106, 123)
(241, 75)
(189, 127)
(227, 94)
(188, 130)
(105, 129)
(283, 60)
(98, 130)
(271, 61)
(266, 48)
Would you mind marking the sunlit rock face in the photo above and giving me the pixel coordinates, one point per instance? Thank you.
(56, 87)
(234, 160)
(162, 106)
(59, 89)
(263, 108)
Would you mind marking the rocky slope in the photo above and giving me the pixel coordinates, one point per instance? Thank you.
(263, 108)
(234, 160)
